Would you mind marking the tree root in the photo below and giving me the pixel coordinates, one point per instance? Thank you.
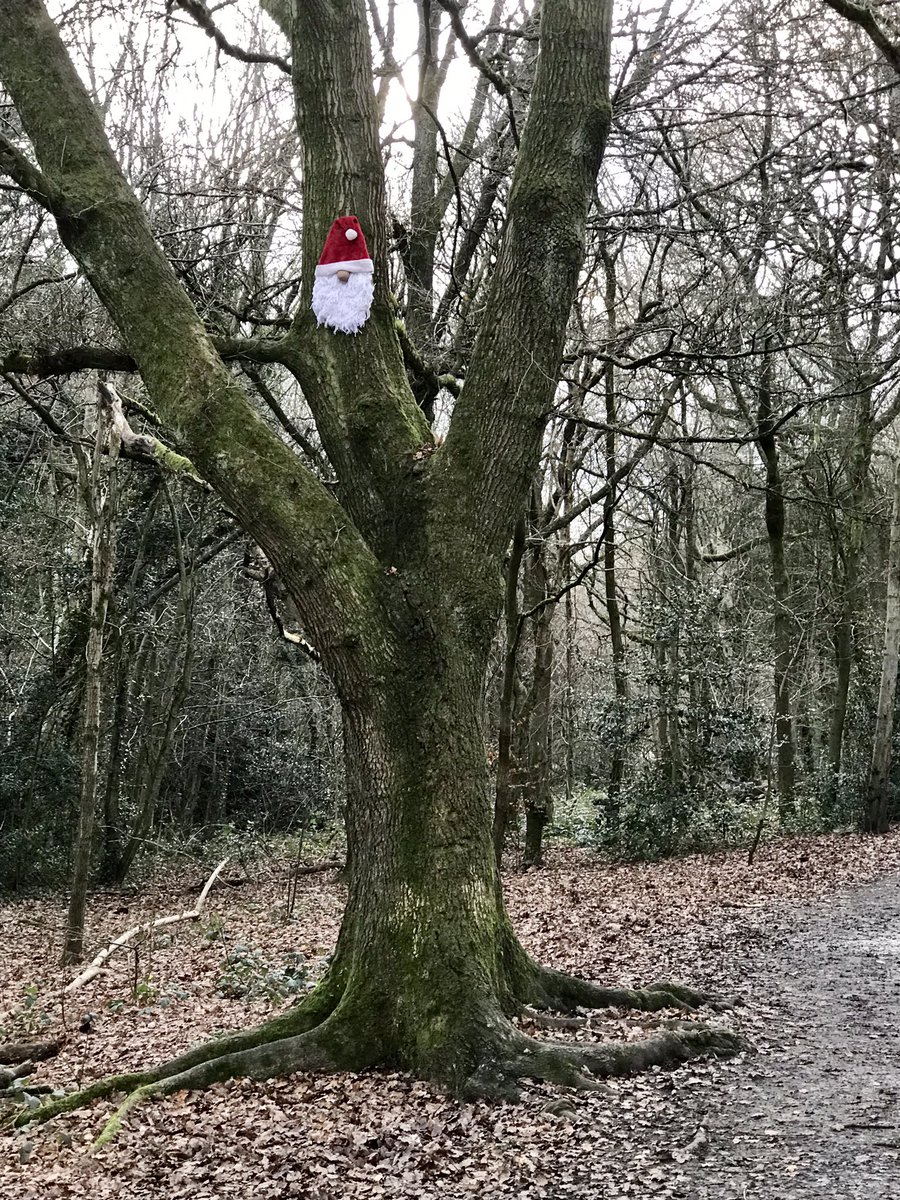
(332, 1031)
(542, 1021)
(582, 1065)
(305, 1052)
(566, 1062)
(560, 992)
(284, 1029)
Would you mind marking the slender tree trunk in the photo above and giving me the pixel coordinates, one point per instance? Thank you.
(173, 694)
(419, 258)
(538, 794)
(100, 497)
(571, 631)
(503, 804)
(851, 560)
(170, 701)
(843, 655)
(875, 819)
(660, 658)
(676, 754)
(614, 615)
(781, 588)
(610, 576)
(669, 650)
(112, 827)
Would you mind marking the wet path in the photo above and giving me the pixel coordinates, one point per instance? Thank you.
(816, 1113)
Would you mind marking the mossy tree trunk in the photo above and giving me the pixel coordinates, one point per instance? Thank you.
(396, 574)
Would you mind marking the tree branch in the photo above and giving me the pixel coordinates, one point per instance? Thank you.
(29, 178)
(201, 14)
(493, 445)
(44, 363)
(862, 15)
(356, 387)
(469, 44)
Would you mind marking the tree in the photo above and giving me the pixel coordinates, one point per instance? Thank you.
(875, 818)
(99, 499)
(395, 573)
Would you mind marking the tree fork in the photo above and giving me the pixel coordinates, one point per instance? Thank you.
(427, 972)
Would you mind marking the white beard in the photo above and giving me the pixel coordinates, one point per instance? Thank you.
(343, 307)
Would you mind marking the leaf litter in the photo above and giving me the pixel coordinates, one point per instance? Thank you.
(710, 921)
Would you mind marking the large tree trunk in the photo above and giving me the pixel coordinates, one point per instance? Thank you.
(426, 963)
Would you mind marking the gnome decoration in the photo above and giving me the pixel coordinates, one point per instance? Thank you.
(342, 292)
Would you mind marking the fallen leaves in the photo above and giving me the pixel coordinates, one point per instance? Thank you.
(705, 920)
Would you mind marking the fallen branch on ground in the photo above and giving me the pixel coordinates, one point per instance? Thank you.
(123, 939)
(20, 1052)
(315, 868)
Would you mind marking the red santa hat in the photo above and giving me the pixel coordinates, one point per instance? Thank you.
(345, 250)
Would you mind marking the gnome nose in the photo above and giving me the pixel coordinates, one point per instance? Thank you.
(343, 276)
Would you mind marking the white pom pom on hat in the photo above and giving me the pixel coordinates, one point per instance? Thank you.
(351, 235)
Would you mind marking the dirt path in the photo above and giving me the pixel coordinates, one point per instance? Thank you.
(817, 1113)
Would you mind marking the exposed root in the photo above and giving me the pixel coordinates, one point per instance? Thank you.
(561, 992)
(201, 1065)
(566, 1062)
(114, 1124)
(305, 1052)
(483, 1054)
(100, 1090)
(543, 1021)
(581, 1065)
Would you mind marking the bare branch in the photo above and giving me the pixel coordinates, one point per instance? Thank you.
(862, 15)
(201, 14)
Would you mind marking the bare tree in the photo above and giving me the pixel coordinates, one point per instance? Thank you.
(394, 571)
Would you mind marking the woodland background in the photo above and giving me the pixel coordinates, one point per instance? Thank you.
(695, 615)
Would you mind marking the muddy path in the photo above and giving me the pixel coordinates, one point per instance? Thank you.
(816, 1111)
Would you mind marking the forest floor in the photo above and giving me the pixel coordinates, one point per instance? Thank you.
(808, 937)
